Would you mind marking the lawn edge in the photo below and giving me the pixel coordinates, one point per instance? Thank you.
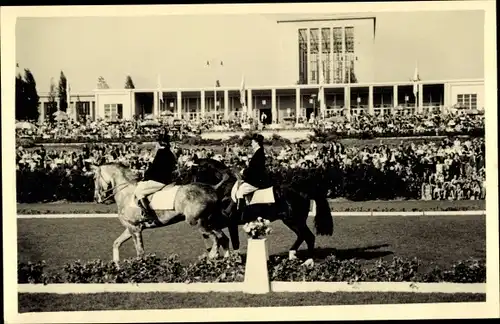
(275, 286)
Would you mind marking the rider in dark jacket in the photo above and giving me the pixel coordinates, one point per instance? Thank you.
(157, 176)
(255, 176)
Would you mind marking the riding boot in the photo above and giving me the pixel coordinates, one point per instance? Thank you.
(148, 212)
(241, 208)
(241, 204)
(229, 209)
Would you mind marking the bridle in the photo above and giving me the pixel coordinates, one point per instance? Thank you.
(112, 189)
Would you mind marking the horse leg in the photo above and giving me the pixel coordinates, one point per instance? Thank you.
(139, 244)
(300, 238)
(206, 240)
(234, 235)
(310, 240)
(214, 251)
(118, 242)
(224, 243)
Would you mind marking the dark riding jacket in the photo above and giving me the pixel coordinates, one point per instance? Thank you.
(162, 167)
(256, 173)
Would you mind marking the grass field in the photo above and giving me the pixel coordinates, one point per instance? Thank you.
(336, 206)
(434, 240)
(123, 301)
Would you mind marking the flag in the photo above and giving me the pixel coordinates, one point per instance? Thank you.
(221, 63)
(217, 83)
(208, 63)
(68, 95)
(160, 92)
(416, 78)
(242, 92)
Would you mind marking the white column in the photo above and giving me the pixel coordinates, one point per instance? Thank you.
(202, 102)
(394, 98)
(370, 100)
(179, 104)
(156, 108)
(297, 104)
(250, 103)
(132, 104)
(41, 111)
(226, 104)
(274, 110)
(347, 100)
(447, 102)
(420, 97)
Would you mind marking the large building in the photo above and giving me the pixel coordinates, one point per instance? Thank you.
(334, 61)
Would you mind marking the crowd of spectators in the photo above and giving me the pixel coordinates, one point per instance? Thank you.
(453, 169)
(396, 125)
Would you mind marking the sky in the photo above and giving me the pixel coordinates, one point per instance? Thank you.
(446, 45)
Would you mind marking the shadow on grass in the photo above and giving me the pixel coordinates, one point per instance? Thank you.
(363, 253)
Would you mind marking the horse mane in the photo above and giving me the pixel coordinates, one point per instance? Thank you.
(217, 165)
(125, 171)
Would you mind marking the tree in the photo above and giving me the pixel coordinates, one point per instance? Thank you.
(32, 100)
(101, 83)
(20, 98)
(52, 105)
(129, 84)
(63, 102)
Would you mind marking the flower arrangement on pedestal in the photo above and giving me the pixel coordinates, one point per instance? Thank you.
(258, 228)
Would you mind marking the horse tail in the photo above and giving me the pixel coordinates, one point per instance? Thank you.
(323, 220)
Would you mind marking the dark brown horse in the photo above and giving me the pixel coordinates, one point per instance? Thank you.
(290, 206)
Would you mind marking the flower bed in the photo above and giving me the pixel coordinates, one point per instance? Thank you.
(151, 269)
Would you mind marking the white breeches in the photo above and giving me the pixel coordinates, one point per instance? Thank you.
(148, 187)
(245, 189)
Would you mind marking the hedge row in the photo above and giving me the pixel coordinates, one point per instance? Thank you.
(319, 135)
(357, 182)
(152, 269)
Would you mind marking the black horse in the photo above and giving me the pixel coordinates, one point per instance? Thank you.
(291, 206)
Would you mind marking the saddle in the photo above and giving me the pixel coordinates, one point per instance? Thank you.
(163, 199)
(259, 196)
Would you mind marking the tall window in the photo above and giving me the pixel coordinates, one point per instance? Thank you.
(113, 111)
(83, 108)
(314, 55)
(325, 55)
(467, 101)
(349, 54)
(337, 55)
(303, 56)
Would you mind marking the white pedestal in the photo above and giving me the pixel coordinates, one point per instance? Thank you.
(256, 275)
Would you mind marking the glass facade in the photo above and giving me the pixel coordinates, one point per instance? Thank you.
(326, 50)
(314, 58)
(333, 48)
(302, 56)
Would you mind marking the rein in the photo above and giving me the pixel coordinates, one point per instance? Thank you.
(118, 189)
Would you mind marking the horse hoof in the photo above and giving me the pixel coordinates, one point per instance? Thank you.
(212, 255)
(309, 263)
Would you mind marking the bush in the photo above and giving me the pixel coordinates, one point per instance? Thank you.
(357, 182)
(352, 270)
(149, 268)
(152, 269)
